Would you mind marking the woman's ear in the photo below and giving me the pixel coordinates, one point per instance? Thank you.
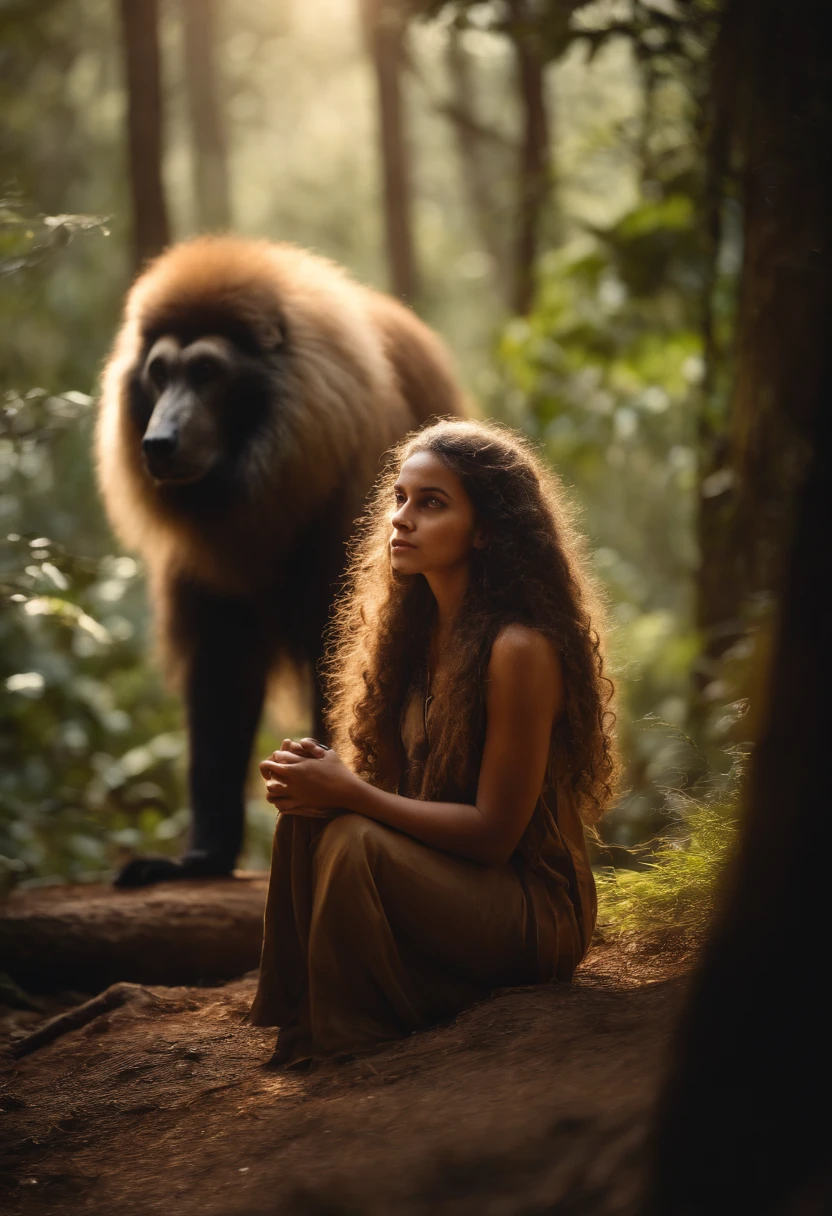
(481, 538)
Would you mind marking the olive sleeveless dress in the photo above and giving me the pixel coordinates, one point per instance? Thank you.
(370, 934)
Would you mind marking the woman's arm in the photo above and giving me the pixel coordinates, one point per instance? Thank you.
(524, 695)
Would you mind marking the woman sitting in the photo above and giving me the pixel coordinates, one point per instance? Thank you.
(436, 851)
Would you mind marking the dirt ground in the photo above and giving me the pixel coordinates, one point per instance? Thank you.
(534, 1101)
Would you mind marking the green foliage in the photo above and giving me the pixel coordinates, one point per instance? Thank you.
(604, 372)
(27, 241)
(674, 894)
(91, 747)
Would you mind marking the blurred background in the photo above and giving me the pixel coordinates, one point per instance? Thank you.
(536, 178)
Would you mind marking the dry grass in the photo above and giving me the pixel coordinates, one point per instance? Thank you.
(674, 894)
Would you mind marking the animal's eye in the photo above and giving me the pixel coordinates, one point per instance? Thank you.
(158, 372)
(203, 370)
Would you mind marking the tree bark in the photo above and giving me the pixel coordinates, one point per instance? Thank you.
(535, 162)
(209, 153)
(140, 38)
(477, 181)
(740, 1126)
(385, 27)
(752, 461)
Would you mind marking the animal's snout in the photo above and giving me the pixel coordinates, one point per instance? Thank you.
(159, 445)
(159, 450)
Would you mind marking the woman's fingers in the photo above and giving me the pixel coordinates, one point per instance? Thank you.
(290, 752)
(287, 805)
(313, 747)
(277, 793)
(278, 762)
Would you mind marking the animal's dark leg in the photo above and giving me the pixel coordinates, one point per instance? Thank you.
(225, 697)
(319, 731)
(224, 689)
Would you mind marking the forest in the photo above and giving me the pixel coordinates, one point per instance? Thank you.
(615, 213)
(559, 235)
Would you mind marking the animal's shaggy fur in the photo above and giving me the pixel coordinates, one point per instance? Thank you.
(259, 542)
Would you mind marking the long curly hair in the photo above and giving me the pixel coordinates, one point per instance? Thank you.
(532, 571)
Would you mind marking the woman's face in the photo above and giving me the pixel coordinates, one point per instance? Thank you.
(434, 523)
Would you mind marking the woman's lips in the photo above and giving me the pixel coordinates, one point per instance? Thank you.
(401, 544)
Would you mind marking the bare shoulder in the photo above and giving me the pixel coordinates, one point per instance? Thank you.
(525, 683)
(522, 650)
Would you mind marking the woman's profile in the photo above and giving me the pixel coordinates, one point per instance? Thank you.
(436, 851)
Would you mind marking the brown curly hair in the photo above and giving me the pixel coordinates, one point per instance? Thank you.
(532, 571)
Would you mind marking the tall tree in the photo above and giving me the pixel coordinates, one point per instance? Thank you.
(741, 1125)
(208, 151)
(472, 139)
(140, 39)
(534, 169)
(753, 458)
(385, 29)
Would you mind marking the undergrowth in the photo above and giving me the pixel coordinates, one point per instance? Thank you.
(674, 892)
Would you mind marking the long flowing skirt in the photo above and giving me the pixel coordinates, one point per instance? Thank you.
(370, 935)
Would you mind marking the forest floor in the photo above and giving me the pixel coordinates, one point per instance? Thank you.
(534, 1101)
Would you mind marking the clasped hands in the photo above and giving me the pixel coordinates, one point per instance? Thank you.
(303, 778)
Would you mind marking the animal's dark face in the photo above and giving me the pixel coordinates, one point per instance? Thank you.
(186, 386)
(194, 401)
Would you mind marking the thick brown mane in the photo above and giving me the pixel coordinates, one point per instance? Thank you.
(339, 388)
(351, 373)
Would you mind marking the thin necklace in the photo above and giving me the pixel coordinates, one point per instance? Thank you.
(427, 701)
(428, 696)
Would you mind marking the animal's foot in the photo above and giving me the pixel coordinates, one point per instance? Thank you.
(283, 1061)
(144, 871)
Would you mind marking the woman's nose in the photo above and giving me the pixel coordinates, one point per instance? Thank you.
(399, 519)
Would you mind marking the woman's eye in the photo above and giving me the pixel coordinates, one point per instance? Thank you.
(400, 498)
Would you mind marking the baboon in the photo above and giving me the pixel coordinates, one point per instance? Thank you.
(248, 398)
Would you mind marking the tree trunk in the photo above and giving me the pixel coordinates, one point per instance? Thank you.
(535, 165)
(209, 152)
(752, 462)
(385, 28)
(477, 181)
(740, 1127)
(89, 936)
(140, 35)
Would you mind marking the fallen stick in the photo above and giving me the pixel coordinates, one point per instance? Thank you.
(74, 1019)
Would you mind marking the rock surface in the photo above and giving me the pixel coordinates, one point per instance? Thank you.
(85, 937)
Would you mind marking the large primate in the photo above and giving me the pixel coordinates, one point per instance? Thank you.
(248, 398)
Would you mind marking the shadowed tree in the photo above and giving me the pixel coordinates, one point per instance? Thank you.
(385, 29)
(140, 40)
(741, 1124)
(766, 119)
(208, 149)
